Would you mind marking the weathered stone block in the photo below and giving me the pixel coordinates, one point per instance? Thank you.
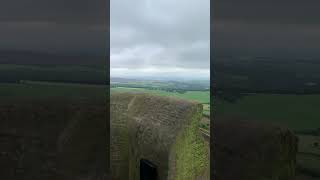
(160, 129)
(248, 150)
(52, 139)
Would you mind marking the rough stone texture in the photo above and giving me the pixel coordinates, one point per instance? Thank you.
(246, 150)
(31, 132)
(160, 129)
(82, 146)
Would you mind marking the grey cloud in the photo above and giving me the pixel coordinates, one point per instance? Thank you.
(59, 11)
(239, 34)
(162, 34)
(268, 11)
(55, 26)
(51, 37)
(266, 26)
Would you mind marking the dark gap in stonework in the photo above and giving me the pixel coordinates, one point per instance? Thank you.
(148, 171)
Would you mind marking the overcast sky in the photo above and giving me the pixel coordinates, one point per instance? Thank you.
(55, 26)
(269, 27)
(160, 38)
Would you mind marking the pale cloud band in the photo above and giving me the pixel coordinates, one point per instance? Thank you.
(162, 73)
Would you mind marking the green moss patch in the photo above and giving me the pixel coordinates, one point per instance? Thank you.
(191, 151)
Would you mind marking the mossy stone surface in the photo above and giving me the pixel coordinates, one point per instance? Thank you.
(157, 129)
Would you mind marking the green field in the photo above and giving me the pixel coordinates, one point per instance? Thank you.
(299, 112)
(55, 73)
(9, 92)
(199, 96)
(37, 89)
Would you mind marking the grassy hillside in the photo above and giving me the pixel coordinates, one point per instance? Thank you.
(34, 91)
(200, 96)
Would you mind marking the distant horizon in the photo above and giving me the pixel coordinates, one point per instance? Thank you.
(153, 78)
